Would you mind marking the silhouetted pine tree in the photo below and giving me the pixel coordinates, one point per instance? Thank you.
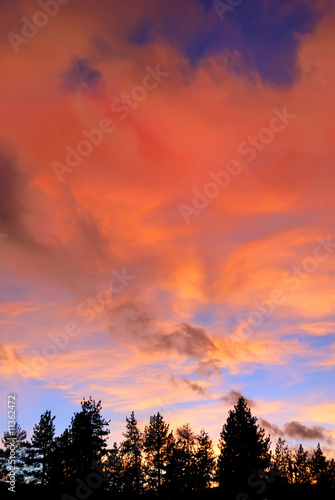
(16, 437)
(132, 456)
(180, 471)
(186, 443)
(115, 469)
(175, 466)
(331, 473)
(283, 460)
(319, 467)
(204, 461)
(88, 436)
(243, 448)
(61, 460)
(3, 472)
(157, 444)
(81, 445)
(42, 445)
(301, 466)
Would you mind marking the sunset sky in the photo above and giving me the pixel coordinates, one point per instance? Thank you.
(167, 212)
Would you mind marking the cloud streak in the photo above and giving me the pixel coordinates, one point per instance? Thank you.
(296, 430)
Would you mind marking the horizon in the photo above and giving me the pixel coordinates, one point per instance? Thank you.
(284, 434)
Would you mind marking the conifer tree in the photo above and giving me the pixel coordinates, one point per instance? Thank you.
(82, 444)
(244, 449)
(283, 460)
(180, 472)
(319, 466)
(88, 435)
(61, 466)
(175, 461)
(132, 455)
(115, 469)
(331, 473)
(204, 459)
(157, 443)
(301, 471)
(42, 444)
(186, 443)
(15, 439)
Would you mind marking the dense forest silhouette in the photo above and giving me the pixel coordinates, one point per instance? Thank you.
(156, 462)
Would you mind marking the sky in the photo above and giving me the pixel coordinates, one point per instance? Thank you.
(166, 212)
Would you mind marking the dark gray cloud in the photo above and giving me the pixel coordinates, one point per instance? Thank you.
(136, 322)
(181, 381)
(297, 430)
(208, 368)
(12, 187)
(186, 340)
(194, 387)
(272, 428)
(15, 194)
(233, 396)
(22, 202)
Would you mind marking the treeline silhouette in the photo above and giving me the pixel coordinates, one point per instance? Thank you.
(157, 462)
